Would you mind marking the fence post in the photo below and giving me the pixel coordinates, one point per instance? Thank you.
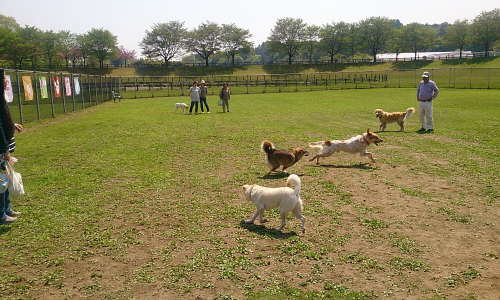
(470, 79)
(21, 119)
(36, 95)
(63, 91)
(51, 90)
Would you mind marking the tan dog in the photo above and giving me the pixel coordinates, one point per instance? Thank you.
(178, 106)
(357, 144)
(276, 158)
(393, 117)
(287, 199)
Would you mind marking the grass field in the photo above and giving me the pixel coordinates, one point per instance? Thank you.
(129, 200)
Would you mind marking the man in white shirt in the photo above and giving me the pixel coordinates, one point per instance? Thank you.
(426, 92)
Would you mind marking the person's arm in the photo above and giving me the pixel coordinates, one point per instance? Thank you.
(4, 146)
(435, 91)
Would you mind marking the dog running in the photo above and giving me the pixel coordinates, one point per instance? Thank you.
(285, 198)
(276, 158)
(357, 144)
(178, 106)
(393, 117)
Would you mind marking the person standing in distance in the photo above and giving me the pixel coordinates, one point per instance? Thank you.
(194, 92)
(225, 95)
(203, 96)
(426, 92)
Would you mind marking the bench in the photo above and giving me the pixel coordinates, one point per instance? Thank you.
(116, 96)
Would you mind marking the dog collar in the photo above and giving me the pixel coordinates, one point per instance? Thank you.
(364, 139)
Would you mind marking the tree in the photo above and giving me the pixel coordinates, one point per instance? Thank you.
(486, 29)
(334, 38)
(28, 45)
(287, 36)
(102, 45)
(165, 41)
(375, 32)
(457, 35)
(204, 40)
(82, 51)
(396, 44)
(50, 44)
(235, 40)
(68, 45)
(125, 54)
(312, 36)
(9, 22)
(8, 38)
(353, 40)
(418, 37)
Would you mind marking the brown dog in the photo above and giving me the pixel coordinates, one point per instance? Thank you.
(393, 117)
(277, 157)
(357, 144)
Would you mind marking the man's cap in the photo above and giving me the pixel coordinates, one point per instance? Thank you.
(426, 74)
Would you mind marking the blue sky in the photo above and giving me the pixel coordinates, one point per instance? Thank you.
(129, 20)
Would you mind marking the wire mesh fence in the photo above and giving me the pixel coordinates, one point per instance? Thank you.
(53, 94)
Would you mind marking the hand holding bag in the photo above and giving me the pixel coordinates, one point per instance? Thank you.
(4, 177)
(16, 187)
(221, 102)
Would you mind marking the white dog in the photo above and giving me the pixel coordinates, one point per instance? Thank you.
(357, 144)
(286, 198)
(178, 106)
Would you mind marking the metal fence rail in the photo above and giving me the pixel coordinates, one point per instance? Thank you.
(96, 89)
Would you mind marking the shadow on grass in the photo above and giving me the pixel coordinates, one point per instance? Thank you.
(416, 64)
(468, 61)
(361, 166)
(278, 175)
(267, 232)
(189, 71)
(4, 229)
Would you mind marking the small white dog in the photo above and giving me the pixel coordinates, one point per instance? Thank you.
(357, 144)
(287, 199)
(178, 106)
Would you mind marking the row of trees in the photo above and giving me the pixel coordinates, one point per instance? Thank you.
(169, 40)
(290, 39)
(30, 45)
(375, 35)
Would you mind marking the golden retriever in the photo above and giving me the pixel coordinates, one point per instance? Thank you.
(287, 199)
(276, 158)
(393, 117)
(357, 144)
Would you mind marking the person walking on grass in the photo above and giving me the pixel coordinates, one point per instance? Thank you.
(7, 145)
(194, 92)
(426, 92)
(225, 95)
(203, 96)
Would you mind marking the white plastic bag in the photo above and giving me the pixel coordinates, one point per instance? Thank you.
(16, 187)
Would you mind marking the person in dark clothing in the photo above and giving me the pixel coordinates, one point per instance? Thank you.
(7, 146)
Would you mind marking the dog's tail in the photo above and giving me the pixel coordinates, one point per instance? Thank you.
(267, 147)
(409, 112)
(295, 181)
(319, 144)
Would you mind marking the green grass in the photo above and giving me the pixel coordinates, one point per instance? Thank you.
(132, 201)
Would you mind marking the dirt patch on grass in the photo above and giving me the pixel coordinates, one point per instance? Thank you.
(380, 230)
